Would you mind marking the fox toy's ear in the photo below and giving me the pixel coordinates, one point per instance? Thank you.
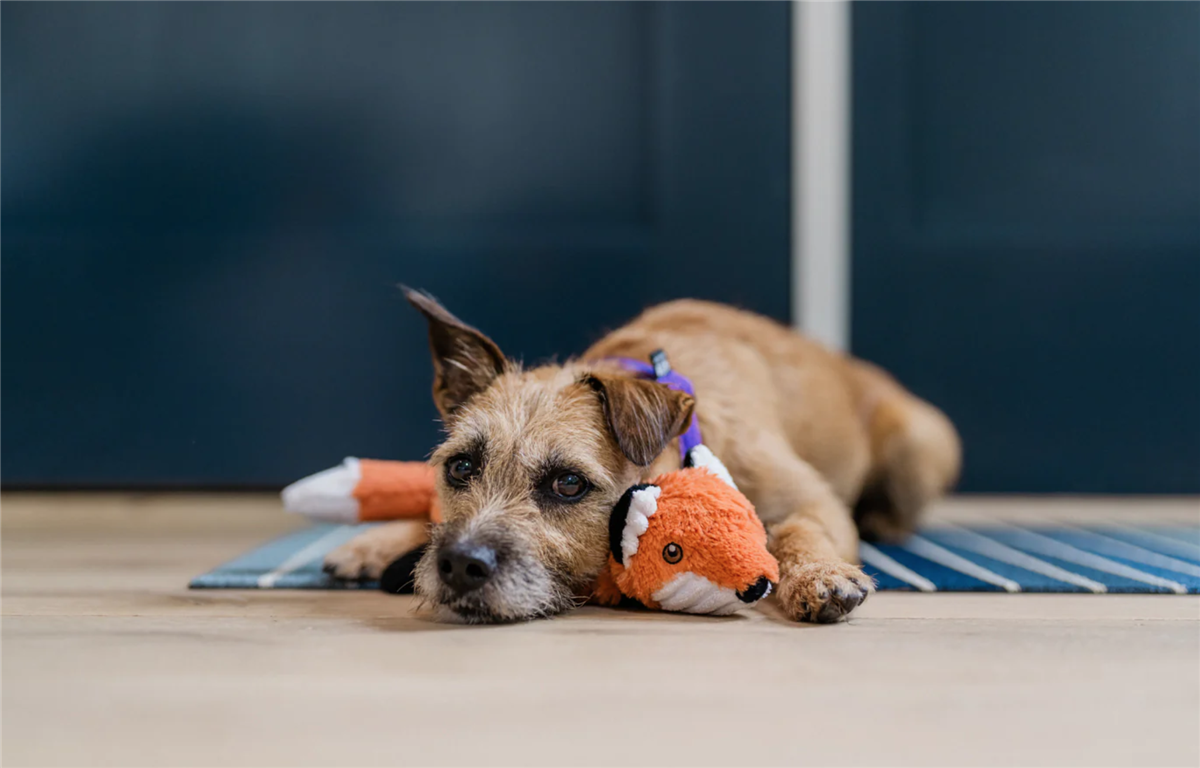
(701, 456)
(629, 519)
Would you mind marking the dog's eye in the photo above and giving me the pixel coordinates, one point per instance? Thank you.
(460, 469)
(672, 553)
(570, 486)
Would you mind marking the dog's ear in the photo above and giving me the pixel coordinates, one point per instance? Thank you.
(643, 415)
(464, 360)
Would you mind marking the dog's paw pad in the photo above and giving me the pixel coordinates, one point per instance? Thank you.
(354, 561)
(823, 592)
(366, 556)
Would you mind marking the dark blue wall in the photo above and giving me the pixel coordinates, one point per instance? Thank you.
(206, 208)
(1027, 233)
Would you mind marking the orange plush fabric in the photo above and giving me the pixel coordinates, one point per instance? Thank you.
(366, 490)
(715, 532)
(393, 490)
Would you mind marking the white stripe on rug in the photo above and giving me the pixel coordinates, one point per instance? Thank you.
(1106, 545)
(925, 548)
(301, 558)
(882, 562)
(1043, 545)
(980, 544)
(1165, 543)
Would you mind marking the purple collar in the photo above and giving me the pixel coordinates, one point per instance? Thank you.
(660, 370)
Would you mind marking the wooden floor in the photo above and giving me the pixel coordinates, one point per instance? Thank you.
(109, 660)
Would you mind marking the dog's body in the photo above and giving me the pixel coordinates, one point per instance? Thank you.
(807, 434)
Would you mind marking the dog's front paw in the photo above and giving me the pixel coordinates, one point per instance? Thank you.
(365, 557)
(355, 560)
(822, 592)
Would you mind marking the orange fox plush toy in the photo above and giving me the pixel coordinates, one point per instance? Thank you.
(688, 541)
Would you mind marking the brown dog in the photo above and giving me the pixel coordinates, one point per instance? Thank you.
(534, 460)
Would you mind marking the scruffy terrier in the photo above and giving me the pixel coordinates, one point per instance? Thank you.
(534, 459)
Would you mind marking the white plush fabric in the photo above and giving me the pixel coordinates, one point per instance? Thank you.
(692, 593)
(327, 496)
(702, 456)
(643, 504)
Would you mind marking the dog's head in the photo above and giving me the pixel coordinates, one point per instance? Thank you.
(532, 464)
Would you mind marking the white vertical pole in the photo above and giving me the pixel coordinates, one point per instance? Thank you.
(821, 170)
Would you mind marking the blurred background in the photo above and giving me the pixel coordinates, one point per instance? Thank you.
(206, 208)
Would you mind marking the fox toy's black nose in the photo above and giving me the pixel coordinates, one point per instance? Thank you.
(466, 566)
(756, 591)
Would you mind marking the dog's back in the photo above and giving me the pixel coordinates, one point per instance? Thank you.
(869, 438)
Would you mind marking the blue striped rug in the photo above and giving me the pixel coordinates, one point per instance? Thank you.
(992, 558)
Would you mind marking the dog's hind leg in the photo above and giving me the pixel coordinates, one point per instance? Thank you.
(915, 457)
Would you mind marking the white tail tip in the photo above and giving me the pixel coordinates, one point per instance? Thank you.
(328, 495)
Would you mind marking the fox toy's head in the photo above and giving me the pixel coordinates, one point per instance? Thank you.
(689, 541)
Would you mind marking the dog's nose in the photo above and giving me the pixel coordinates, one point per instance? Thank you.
(756, 591)
(466, 566)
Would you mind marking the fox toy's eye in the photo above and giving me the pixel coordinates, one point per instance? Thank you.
(672, 553)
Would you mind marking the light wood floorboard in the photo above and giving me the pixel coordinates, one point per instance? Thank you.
(109, 660)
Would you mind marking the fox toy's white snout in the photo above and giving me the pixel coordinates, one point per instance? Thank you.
(692, 593)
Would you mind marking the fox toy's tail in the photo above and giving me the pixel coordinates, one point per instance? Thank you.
(366, 490)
